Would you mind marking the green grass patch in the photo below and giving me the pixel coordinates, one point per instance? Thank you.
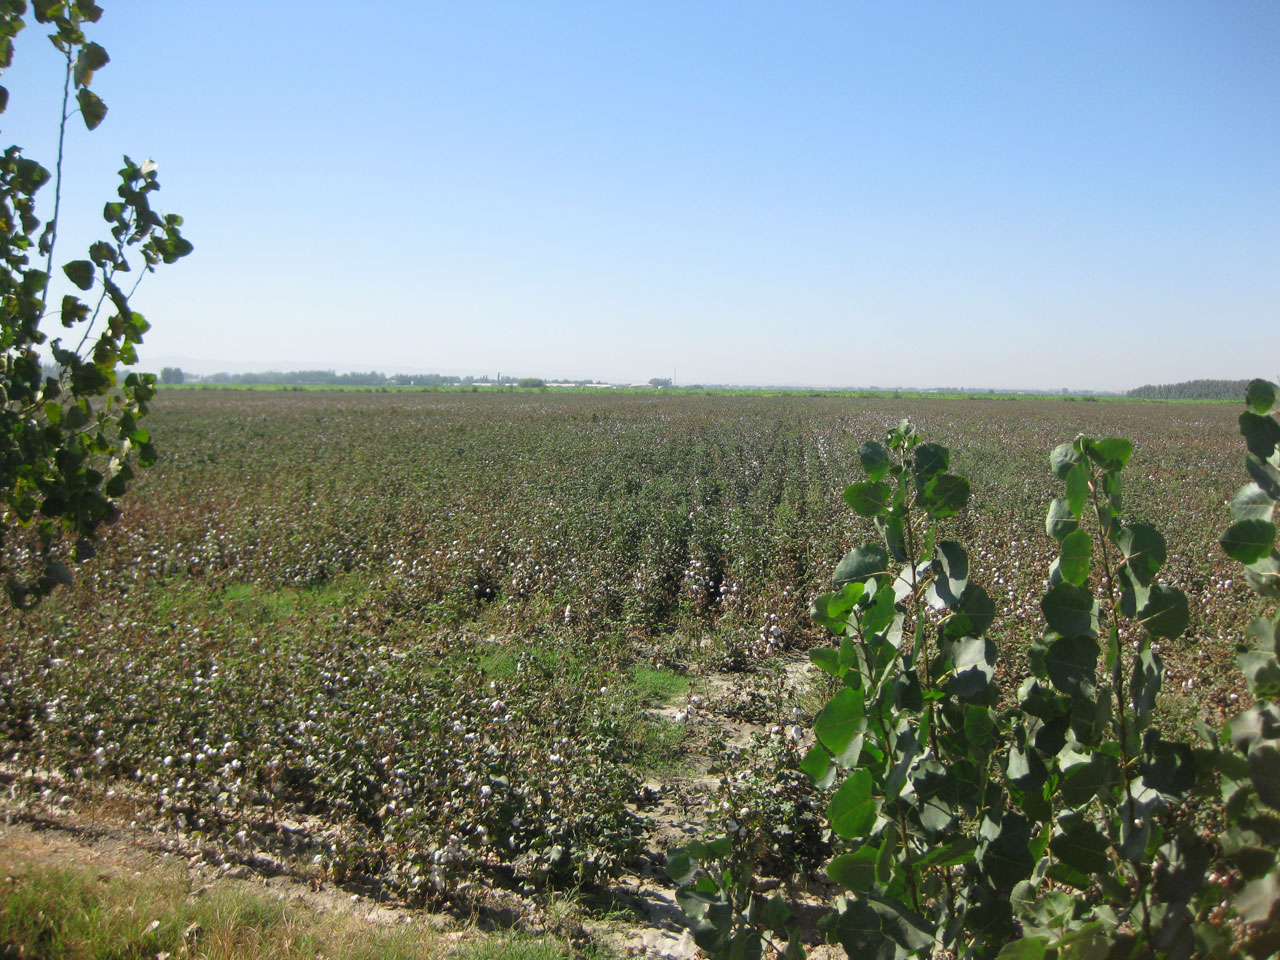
(66, 912)
(656, 687)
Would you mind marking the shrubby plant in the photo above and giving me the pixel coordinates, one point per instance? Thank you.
(67, 439)
(1057, 822)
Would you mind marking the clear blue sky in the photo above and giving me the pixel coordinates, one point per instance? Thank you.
(1017, 194)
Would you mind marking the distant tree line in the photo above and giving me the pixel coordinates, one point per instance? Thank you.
(1192, 390)
(329, 378)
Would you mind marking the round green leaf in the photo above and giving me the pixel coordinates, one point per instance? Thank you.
(91, 107)
(895, 537)
(1063, 458)
(91, 57)
(1165, 613)
(1264, 771)
(1250, 503)
(1261, 396)
(951, 562)
(931, 459)
(681, 868)
(1111, 454)
(868, 560)
(817, 766)
(840, 721)
(875, 459)
(1263, 576)
(1070, 610)
(79, 272)
(944, 496)
(1264, 475)
(1249, 540)
(1144, 550)
(1078, 488)
(1085, 848)
(1060, 521)
(1261, 434)
(1072, 663)
(973, 614)
(868, 498)
(852, 811)
(855, 871)
(1077, 550)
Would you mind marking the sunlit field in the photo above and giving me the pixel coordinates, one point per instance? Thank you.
(415, 636)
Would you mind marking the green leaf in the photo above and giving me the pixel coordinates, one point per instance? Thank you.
(1077, 551)
(1112, 484)
(862, 562)
(1259, 902)
(879, 928)
(868, 498)
(952, 563)
(931, 459)
(1264, 772)
(91, 107)
(775, 913)
(875, 459)
(91, 57)
(1144, 551)
(855, 871)
(1169, 766)
(1145, 682)
(817, 766)
(1098, 777)
(1264, 635)
(972, 614)
(895, 536)
(944, 496)
(1261, 434)
(839, 725)
(979, 727)
(1250, 503)
(852, 810)
(79, 272)
(951, 854)
(1263, 576)
(1078, 488)
(1084, 847)
(1063, 458)
(1165, 613)
(882, 611)
(974, 661)
(831, 610)
(827, 659)
(1004, 849)
(73, 311)
(1072, 664)
(1027, 948)
(1060, 521)
(1249, 540)
(1110, 454)
(680, 868)
(1070, 610)
(1261, 396)
(1264, 475)
(102, 253)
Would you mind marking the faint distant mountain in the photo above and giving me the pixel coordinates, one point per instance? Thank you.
(1192, 390)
